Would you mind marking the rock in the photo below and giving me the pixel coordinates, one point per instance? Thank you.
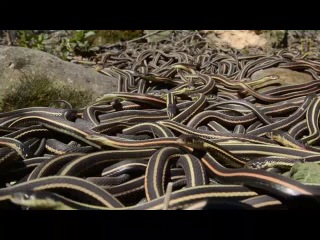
(16, 62)
(237, 39)
(286, 76)
(241, 39)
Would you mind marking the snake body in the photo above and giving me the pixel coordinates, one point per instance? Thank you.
(187, 129)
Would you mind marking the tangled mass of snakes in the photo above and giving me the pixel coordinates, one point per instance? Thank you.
(187, 129)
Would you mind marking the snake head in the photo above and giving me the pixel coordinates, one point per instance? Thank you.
(187, 138)
(273, 77)
(22, 198)
(94, 138)
(269, 135)
(192, 141)
(25, 151)
(253, 165)
(37, 200)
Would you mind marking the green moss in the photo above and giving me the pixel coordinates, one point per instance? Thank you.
(39, 90)
(103, 37)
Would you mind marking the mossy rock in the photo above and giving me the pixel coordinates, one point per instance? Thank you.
(17, 62)
(39, 90)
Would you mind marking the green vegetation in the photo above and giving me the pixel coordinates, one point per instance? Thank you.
(28, 39)
(305, 172)
(103, 37)
(307, 45)
(38, 90)
(74, 43)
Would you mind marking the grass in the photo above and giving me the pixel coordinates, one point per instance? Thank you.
(39, 90)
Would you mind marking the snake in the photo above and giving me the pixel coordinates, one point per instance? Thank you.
(187, 128)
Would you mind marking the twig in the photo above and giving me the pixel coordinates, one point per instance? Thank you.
(83, 62)
(154, 135)
(167, 196)
(9, 38)
(145, 36)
